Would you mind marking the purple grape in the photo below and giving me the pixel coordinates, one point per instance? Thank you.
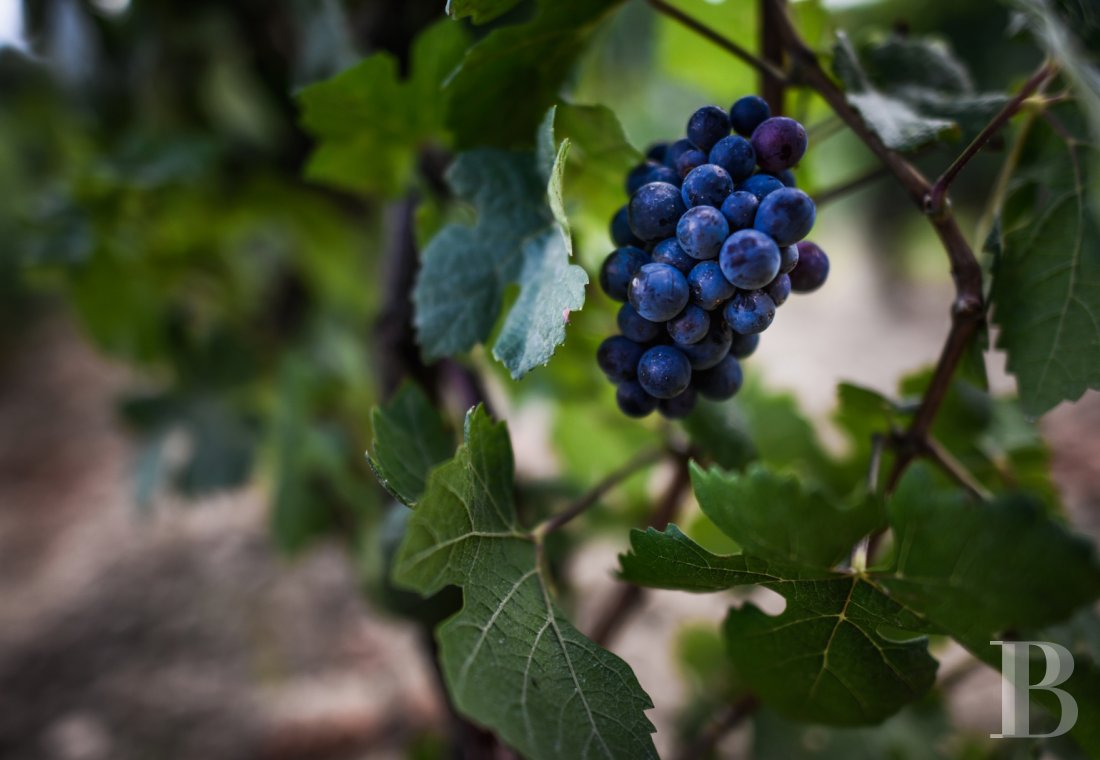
(618, 357)
(712, 348)
(656, 152)
(743, 345)
(720, 382)
(748, 113)
(662, 173)
(678, 407)
(779, 143)
(812, 268)
(633, 400)
(675, 150)
(788, 258)
(709, 287)
(739, 208)
(654, 210)
(735, 155)
(707, 126)
(689, 326)
(692, 159)
(619, 268)
(664, 372)
(637, 176)
(750, 312)
(621, 234)
(786, 215)
(669, 252)
(658, 292)
(779, 289)
(760, 185)
(636, 327)
(706, 185)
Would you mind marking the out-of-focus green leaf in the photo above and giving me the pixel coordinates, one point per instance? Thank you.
(1046, 282)
(370, 123)
(715, 433)
(520, 69)
(479, 11)
(511, 659)
(409, 440)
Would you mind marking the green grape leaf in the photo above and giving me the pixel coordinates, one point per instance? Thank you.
(518, 238)
(479, 11)
(773, 516)
(511, 659)
(982, 568)
(409, 440)
(713, 430)
(826, 658)
(1046, 281)
(897, 122)
(370, 123)
(523, 66)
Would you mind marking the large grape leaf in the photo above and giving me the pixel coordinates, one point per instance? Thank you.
(982, 568)
(521, 69)
(370, 123)
(824, 659)
(409, 440)
(479, 11)
(773, 516)
(902, 125)
(510, 658)
(1046, 280)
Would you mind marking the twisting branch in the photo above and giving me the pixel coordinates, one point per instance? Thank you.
(775, 73)
(938, 194)
(947, 462)
(726, 722)
(588, 500)
(771, 48)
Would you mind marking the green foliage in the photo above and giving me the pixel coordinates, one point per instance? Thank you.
(511, 659)
(409, 440)
(370, 123)
(1046, 280)
(479, 11)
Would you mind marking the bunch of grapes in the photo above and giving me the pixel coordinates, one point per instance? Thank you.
(710, 244)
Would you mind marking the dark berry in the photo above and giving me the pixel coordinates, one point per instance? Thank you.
(618, 357)
(739, 208)
(779, 143)
(692, 159)
(663, 174)
(748, 113)
(707, 126)
(701, 231)
(708, 286)
(621, 234)
(618, 270)
(675, 150)
(654, 211)
(636, 327)
(712, 348)
(679, 407)
(658, 292)
(750, 312)
(787, 178)
(664, 372)
(669, 252)
(760, 185)
(743, 345)
(788, 258)
(812, 268)
(633, 400)
(637, 176)
(689, 326)
(735, 155)
(749, 259)
(656, 151)
(706, 185)
(779, 289)
(786, 215)
(720, 382)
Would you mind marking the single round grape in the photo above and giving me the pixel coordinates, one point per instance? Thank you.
(706, 185)
(812, 268)
(664, 372)
(750, 312)
(669, 252)
(779, 143)
(786, 215)
(701, 231)
(743, 345)
(656, 151)
(788, 258)
(739, 208)
(636, 327)
(637, 176)
(709, 287)
(689, 326)
(679, 407)
(618, 357)
(749, 259)
(720, 382)
(760, 185)
(654, 210)
(675, 150)
(658, 292)
(618, 270)
(662, 173)
(735, 155)
(712, 348)
(633, 400)
(787, 178)
(621, 234)
(748, 113)
(707, 126)
(779, 289)
(689, 160)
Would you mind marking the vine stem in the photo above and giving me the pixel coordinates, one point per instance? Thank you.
(947, 462)
(772, 88)
(629, 597)
(938, 195)
(726, 722)
(764, 67)
(589, 499)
